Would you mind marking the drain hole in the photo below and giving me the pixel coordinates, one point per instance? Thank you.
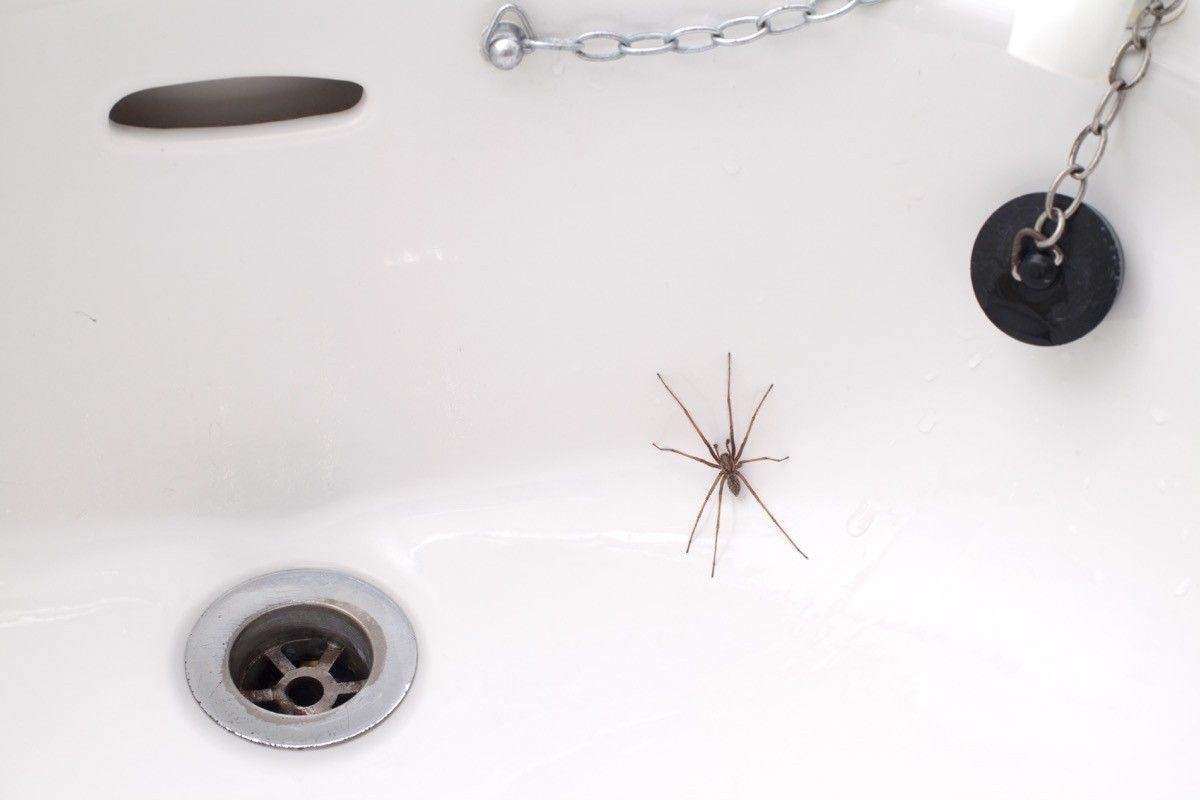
(301, 659)
(234, 101)
(305, 691)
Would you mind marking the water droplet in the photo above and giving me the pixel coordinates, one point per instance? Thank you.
(1184, 587)
(733, 169)
(930, 377)
(860, 521)
(1159, 415)
(558, 68)
(927, 423)
(410, 257)
(975, 360)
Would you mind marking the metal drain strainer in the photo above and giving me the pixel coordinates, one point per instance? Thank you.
(301, 658)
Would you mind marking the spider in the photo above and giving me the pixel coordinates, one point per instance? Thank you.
(727, 463)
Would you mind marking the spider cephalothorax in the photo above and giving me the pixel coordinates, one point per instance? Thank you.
(727, 462)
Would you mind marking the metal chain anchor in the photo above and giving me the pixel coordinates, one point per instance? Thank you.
(511, 35)
(1136, 49)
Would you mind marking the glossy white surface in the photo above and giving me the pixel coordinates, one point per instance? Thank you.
(426, 333)
(1069, 37)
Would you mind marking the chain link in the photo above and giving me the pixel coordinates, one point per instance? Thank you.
(602, 45)
(1123, 75)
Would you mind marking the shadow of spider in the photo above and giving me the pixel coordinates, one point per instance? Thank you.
(728, 463)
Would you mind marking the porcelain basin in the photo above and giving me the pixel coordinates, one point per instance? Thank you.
(417, 342)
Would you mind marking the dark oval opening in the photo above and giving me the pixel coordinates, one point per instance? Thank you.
(305, 691)
(234, 101)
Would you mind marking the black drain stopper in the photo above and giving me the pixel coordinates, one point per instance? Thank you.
(1053, 303)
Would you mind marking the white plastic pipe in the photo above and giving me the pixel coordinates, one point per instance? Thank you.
(1070, 37)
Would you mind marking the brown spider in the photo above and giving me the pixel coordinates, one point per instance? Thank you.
(728, 463)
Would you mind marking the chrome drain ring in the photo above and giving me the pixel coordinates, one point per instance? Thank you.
(301, 658)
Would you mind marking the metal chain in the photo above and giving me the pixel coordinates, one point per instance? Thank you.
(1135, 50)
(505, 41)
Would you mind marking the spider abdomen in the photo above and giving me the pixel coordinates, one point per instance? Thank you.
(735, 484)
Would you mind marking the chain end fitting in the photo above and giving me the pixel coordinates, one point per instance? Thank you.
(503, 43)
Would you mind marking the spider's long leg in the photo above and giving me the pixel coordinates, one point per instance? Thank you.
(746, 483)
(729, 397)
(717, 537)
(749, 427)
(685, 455)
(695, 427)
(700, 513)
(761, 458)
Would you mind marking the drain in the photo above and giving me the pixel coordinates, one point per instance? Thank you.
(301, 658)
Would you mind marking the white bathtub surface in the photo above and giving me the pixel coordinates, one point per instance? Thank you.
(417, 342)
